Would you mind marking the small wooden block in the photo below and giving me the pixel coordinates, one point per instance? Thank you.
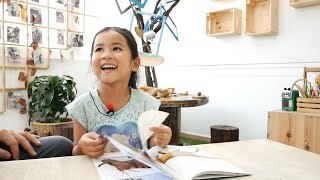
(199, 97)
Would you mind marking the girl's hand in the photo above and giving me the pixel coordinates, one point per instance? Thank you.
(162, 136)
(92, 145)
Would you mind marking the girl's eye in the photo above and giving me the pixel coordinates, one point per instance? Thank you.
(117, 49)
(98, 50)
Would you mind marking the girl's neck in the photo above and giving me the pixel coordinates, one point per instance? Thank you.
(118, 96)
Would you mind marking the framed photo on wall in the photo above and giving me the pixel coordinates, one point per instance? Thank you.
(57, 19)
(38, 15)
(11, 79)
(15, 56)
(39, 2)
(12, 97)
(38, 34)
(58, 4)
(40, 57)
(58, 39)
(15, 34)
(76, 6)
(75, 40)
(75, 22)
(13, 9)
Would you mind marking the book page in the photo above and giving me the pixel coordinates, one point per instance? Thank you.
(194, 163)
(120, 166)
(143, 157)
(148, 119)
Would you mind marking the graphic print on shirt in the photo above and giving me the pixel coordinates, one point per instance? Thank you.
(126, 134)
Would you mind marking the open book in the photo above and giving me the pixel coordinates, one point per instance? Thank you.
(172, 162)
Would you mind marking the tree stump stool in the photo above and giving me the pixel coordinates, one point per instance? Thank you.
(223, 133)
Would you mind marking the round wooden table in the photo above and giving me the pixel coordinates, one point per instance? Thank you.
(173, 106)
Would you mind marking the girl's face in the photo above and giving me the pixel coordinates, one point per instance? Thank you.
(111, 58)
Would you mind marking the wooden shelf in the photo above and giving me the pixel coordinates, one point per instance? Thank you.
(224, 22)
(296, 129)
(303, 3)
(261, 17)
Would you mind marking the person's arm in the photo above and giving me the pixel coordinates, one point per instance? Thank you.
(161, 137)
(78, 132)
(13, 140)
(89, 144)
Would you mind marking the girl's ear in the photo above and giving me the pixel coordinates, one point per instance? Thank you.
(136, 64)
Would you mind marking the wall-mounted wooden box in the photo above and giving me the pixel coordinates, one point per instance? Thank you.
(303, 3)
(261, 17)
(224, 22)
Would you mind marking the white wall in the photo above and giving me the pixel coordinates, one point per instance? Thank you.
(243, 75)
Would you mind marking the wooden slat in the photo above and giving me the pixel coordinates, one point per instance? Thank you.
(303, 3)
(309, 110)
(308, 100)
(308, 105)
(313, 69)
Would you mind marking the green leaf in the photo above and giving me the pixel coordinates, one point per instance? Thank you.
(49, 95)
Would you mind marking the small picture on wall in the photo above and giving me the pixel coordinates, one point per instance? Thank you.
(37, 35)
(37, 1)
(12, 100)
(59, 1)
(13, 9)
(13, 34)
(76, 40)
(75, 22)
(35, 14)
(75, 3)
(14, 55)
(37, 56)
(60, 38)
(59, 16)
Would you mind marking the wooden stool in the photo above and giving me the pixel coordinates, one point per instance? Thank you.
(223, 133)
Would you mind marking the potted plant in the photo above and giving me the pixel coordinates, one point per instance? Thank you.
(48, 97)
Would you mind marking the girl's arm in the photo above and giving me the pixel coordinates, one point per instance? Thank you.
(78, 132)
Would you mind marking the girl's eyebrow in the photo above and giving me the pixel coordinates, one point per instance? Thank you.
(117, 43)
(100, 44)
(114, 43)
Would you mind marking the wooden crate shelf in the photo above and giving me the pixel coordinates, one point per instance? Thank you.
(296, 129)
(303, 3)
(261, 17)
(224, 22)
(308, 105)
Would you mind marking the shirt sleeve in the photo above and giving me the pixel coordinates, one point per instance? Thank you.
(76, 110)
(151, 103)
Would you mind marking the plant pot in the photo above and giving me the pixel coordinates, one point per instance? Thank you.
(50, 129)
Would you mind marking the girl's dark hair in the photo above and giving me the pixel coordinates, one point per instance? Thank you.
(132, 45)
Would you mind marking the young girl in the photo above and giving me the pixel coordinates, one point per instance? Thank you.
(115, 62)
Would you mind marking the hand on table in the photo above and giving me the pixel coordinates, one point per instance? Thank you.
(13, 140)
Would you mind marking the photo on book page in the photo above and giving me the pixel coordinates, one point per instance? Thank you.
(162, 155)
(120, 166)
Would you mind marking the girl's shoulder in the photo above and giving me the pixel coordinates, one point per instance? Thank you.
(84, 98)
(149, 101)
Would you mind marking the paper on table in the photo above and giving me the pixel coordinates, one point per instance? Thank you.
(148, 119)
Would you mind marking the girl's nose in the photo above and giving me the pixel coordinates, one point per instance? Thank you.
(106, 55)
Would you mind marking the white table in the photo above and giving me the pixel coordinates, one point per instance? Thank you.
(265, 159)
